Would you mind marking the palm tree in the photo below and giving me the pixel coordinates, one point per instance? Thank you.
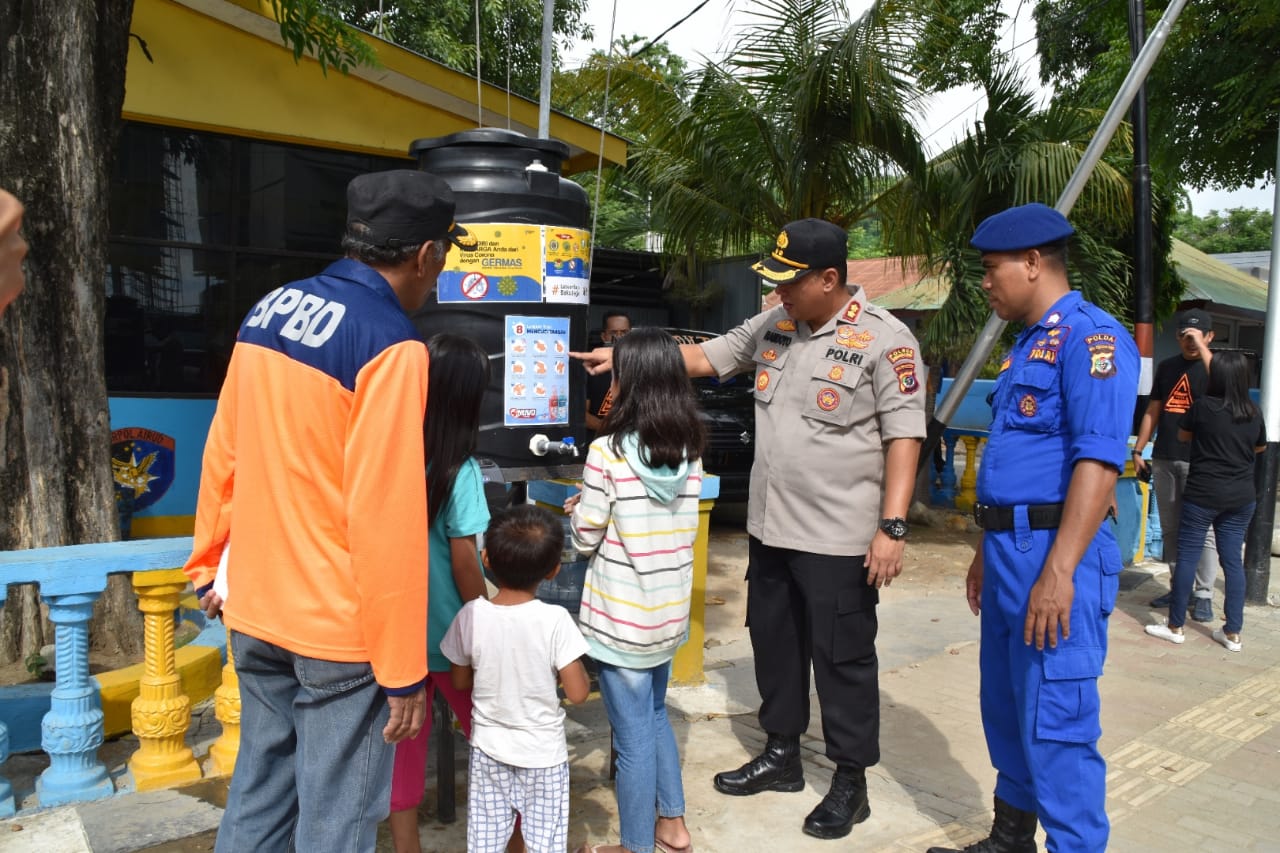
(808, 116)
(1015, 155)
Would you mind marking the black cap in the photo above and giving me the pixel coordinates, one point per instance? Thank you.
(804, 246)
(403, 207)
(1194, 318)
(1024, 227)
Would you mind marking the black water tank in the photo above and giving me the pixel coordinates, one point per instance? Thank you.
(505, 178)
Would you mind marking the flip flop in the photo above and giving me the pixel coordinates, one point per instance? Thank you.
(659, 847)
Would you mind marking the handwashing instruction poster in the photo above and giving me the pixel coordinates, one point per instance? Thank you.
(537, 371)
(516, 262)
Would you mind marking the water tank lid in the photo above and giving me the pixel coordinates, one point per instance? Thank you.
(490, 136)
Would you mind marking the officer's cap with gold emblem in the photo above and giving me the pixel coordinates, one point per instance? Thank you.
(1024, 227)
(403, 207)
(804, 246)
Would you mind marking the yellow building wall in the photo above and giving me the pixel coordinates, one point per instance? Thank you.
(211, 75)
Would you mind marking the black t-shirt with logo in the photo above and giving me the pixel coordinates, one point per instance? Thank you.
(1178, 383)
(1222, 455)
(600, 399)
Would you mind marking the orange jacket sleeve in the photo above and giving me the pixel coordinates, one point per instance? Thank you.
(386, 499)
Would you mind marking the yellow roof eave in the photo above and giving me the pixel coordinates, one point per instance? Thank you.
(221, 65)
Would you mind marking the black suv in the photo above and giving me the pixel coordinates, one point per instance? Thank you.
(728, 408)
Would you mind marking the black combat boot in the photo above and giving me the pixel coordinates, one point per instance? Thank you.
(843, 806)
(1013, 831)
(776, 769)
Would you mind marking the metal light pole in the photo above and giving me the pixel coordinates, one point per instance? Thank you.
(1143, 285)
(1257, 550)
(544, 89)
(1075, 185)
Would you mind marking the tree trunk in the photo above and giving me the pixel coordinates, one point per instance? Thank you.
(62, 74)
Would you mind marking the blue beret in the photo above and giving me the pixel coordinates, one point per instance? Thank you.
(1020, 228)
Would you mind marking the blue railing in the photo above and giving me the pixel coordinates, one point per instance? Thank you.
(70, 579)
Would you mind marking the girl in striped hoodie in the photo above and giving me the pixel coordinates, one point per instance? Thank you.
(637, 516)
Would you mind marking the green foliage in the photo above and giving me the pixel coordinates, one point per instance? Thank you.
(35, 664)
(623, 217)
(866, 239)
(1213, 97)
(808, 116)
(308, 27)
(959, 44)
(445, 30)
(580, 92)
(1016, 154)
(1240, 230)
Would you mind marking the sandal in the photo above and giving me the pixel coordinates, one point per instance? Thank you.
(659, 847)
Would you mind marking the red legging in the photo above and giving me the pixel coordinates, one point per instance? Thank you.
(409, 776)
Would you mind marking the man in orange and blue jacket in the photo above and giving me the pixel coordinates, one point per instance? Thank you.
(314, 469)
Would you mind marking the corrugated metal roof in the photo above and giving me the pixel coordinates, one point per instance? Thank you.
(1212, 280)
(891, 286)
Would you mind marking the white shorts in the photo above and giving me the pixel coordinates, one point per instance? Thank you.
(497, 792)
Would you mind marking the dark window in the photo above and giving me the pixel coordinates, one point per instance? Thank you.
(169, 325)
(202, 226)
(295, 198)
(172, 185)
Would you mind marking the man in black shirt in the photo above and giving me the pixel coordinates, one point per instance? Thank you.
(1179, 381)
(600, 386)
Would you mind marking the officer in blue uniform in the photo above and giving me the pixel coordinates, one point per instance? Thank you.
(1045, 577)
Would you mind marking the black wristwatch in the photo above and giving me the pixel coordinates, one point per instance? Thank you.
(894, 528)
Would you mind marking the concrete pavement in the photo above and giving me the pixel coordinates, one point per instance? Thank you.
(1190, 735)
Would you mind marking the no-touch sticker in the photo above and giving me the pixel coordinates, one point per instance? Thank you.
(474, 285)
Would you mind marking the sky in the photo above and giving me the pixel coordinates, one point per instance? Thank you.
(711, 31)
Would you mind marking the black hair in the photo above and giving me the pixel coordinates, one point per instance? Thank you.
(356, 246)
(456, 384)
(1229, 380)
(1055, 252)
(608, 315)
(654, 400)
(524, 545)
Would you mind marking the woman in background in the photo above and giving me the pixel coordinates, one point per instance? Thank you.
(1226, 432)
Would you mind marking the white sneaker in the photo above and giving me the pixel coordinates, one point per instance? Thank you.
(1221, 636)
(1164, 632)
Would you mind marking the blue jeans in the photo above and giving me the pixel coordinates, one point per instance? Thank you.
(1230, 527)
(648, 762)
(313, 772)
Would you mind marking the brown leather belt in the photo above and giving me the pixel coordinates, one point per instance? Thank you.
(1039, 516)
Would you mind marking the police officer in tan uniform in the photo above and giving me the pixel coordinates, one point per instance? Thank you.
(839, 420)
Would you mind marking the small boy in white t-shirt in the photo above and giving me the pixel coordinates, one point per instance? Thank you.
(508, 652)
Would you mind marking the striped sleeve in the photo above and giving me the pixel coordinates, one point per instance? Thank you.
(590, 518)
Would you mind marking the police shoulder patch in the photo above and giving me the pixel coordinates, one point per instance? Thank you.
(1102, 352)
(898, 354)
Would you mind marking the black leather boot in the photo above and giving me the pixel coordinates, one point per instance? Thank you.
(843, 806)
(1013, 831)
(776, 769)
